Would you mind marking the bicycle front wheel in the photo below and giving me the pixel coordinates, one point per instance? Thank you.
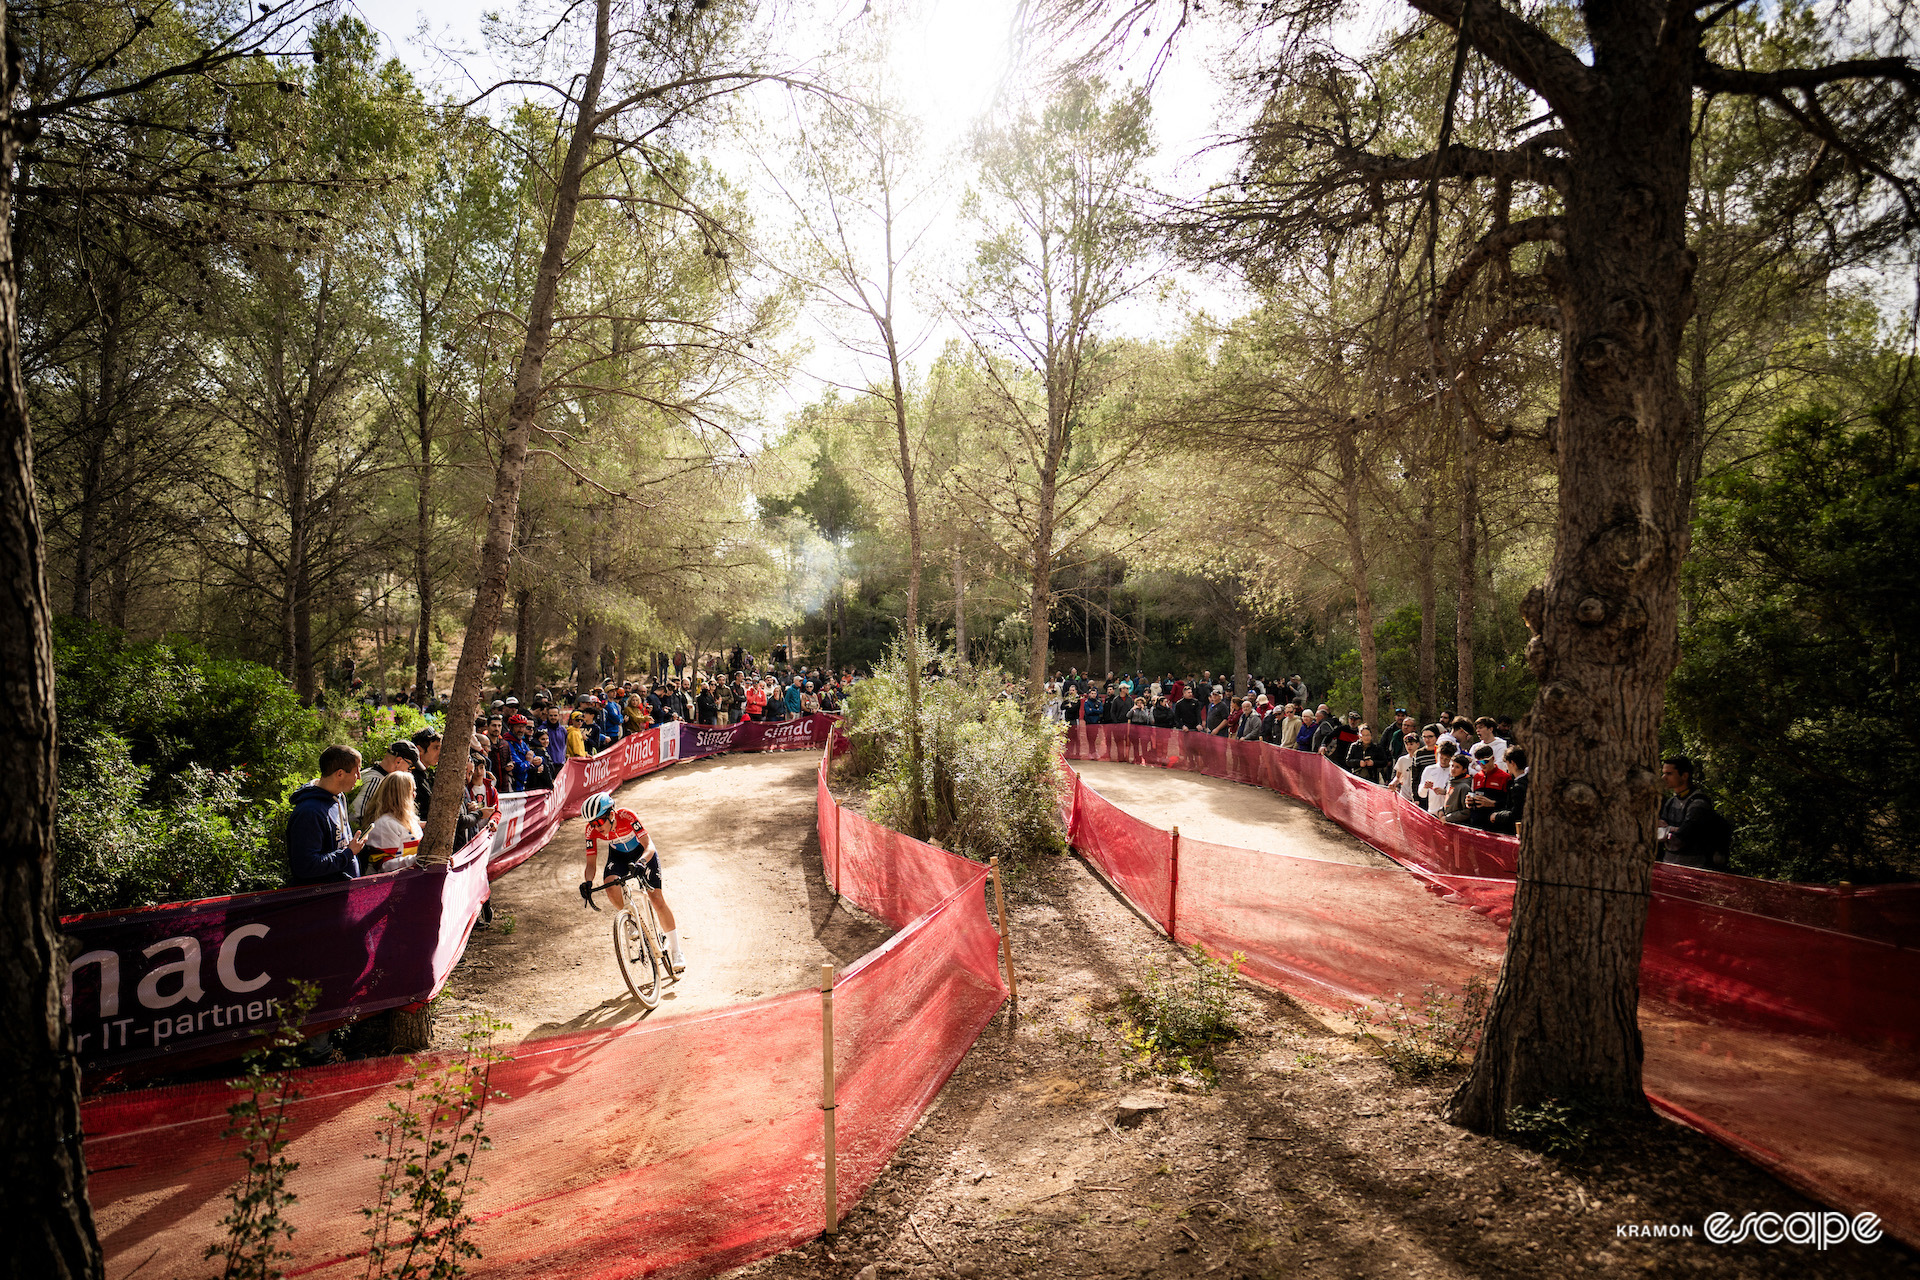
(640, 964)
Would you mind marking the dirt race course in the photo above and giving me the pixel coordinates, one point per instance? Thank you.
(742, 870)
(1225, 812)
(1048, 1153)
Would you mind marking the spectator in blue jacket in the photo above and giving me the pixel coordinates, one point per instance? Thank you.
(612, 723)
(793, 696)
(321, 846)
(522, 760)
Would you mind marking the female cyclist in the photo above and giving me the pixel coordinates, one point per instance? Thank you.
(629, 853)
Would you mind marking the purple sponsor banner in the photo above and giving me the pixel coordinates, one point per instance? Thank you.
(183, 982)
(754, 735)
(160, 988)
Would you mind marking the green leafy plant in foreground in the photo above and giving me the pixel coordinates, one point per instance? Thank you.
(1554, 1127)
(254, 1247)
(1432, 1037)
(419, 1226)
(1172, 1023)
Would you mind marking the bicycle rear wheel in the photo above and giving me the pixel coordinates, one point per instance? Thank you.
(640, 964)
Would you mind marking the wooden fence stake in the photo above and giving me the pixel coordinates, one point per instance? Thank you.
(826, 1097)
(1006, 939)
(1173, 879)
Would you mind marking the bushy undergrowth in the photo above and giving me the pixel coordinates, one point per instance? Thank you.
(1172, 1022)
(992, 782)
(1555, 1128)
(1434, 1035)
(175, 767)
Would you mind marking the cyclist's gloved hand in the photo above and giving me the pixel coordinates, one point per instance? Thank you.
(586, 892)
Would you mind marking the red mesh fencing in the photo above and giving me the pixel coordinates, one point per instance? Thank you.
(672, 1147)
(1137, 857)
(1782, 1019)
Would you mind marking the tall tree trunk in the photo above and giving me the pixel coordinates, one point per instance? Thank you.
(1350, 481)
(1040, 586)
(1564, 1023)
(297, 609)
(917, 821)
(959, 607)
(43, 1180)
(120, 572)
(529, 383)
(1466, 579)
(526, 645)
(1239, 634)
(1106, 625)
(423, 528)
(1086, 634)
(83, 547)
(1423, 550)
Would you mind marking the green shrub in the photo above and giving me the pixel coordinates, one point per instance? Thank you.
(992, 782)
(1433, 1037)
(175, 768)
(1794, 693)
(1172, 1022)
(1554, 1127)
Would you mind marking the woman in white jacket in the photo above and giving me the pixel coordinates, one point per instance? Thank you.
(393, 830)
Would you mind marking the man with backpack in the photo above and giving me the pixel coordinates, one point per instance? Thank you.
(1691, 832)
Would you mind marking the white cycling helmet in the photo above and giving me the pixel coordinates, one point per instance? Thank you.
(597, 806)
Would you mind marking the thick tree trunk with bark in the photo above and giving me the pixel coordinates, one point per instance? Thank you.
(1239, 633)
(496, 550)
(43, 1176)
(1564, 1017)
(1466, 581)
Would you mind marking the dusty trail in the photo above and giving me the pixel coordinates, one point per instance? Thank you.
(1048, 1154)
(742, 869)
(1225, 812)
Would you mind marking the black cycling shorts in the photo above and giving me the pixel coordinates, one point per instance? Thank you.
(647, 872)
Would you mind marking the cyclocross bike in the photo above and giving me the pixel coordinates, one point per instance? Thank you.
(639, 946)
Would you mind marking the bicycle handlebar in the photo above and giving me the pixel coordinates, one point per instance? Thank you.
(588, 889)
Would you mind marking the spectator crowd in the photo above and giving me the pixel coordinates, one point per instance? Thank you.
(1472, 773)
(354, 819)
(357, 818)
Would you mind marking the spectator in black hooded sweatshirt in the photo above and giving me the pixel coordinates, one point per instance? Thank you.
(1186, 712)
(321, 846)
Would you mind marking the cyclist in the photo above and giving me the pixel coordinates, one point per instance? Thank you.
(629, 853)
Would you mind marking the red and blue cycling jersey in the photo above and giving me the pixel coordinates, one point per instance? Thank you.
(622, 833)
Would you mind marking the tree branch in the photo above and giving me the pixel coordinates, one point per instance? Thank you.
(1714, 78)
(1533, 57)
